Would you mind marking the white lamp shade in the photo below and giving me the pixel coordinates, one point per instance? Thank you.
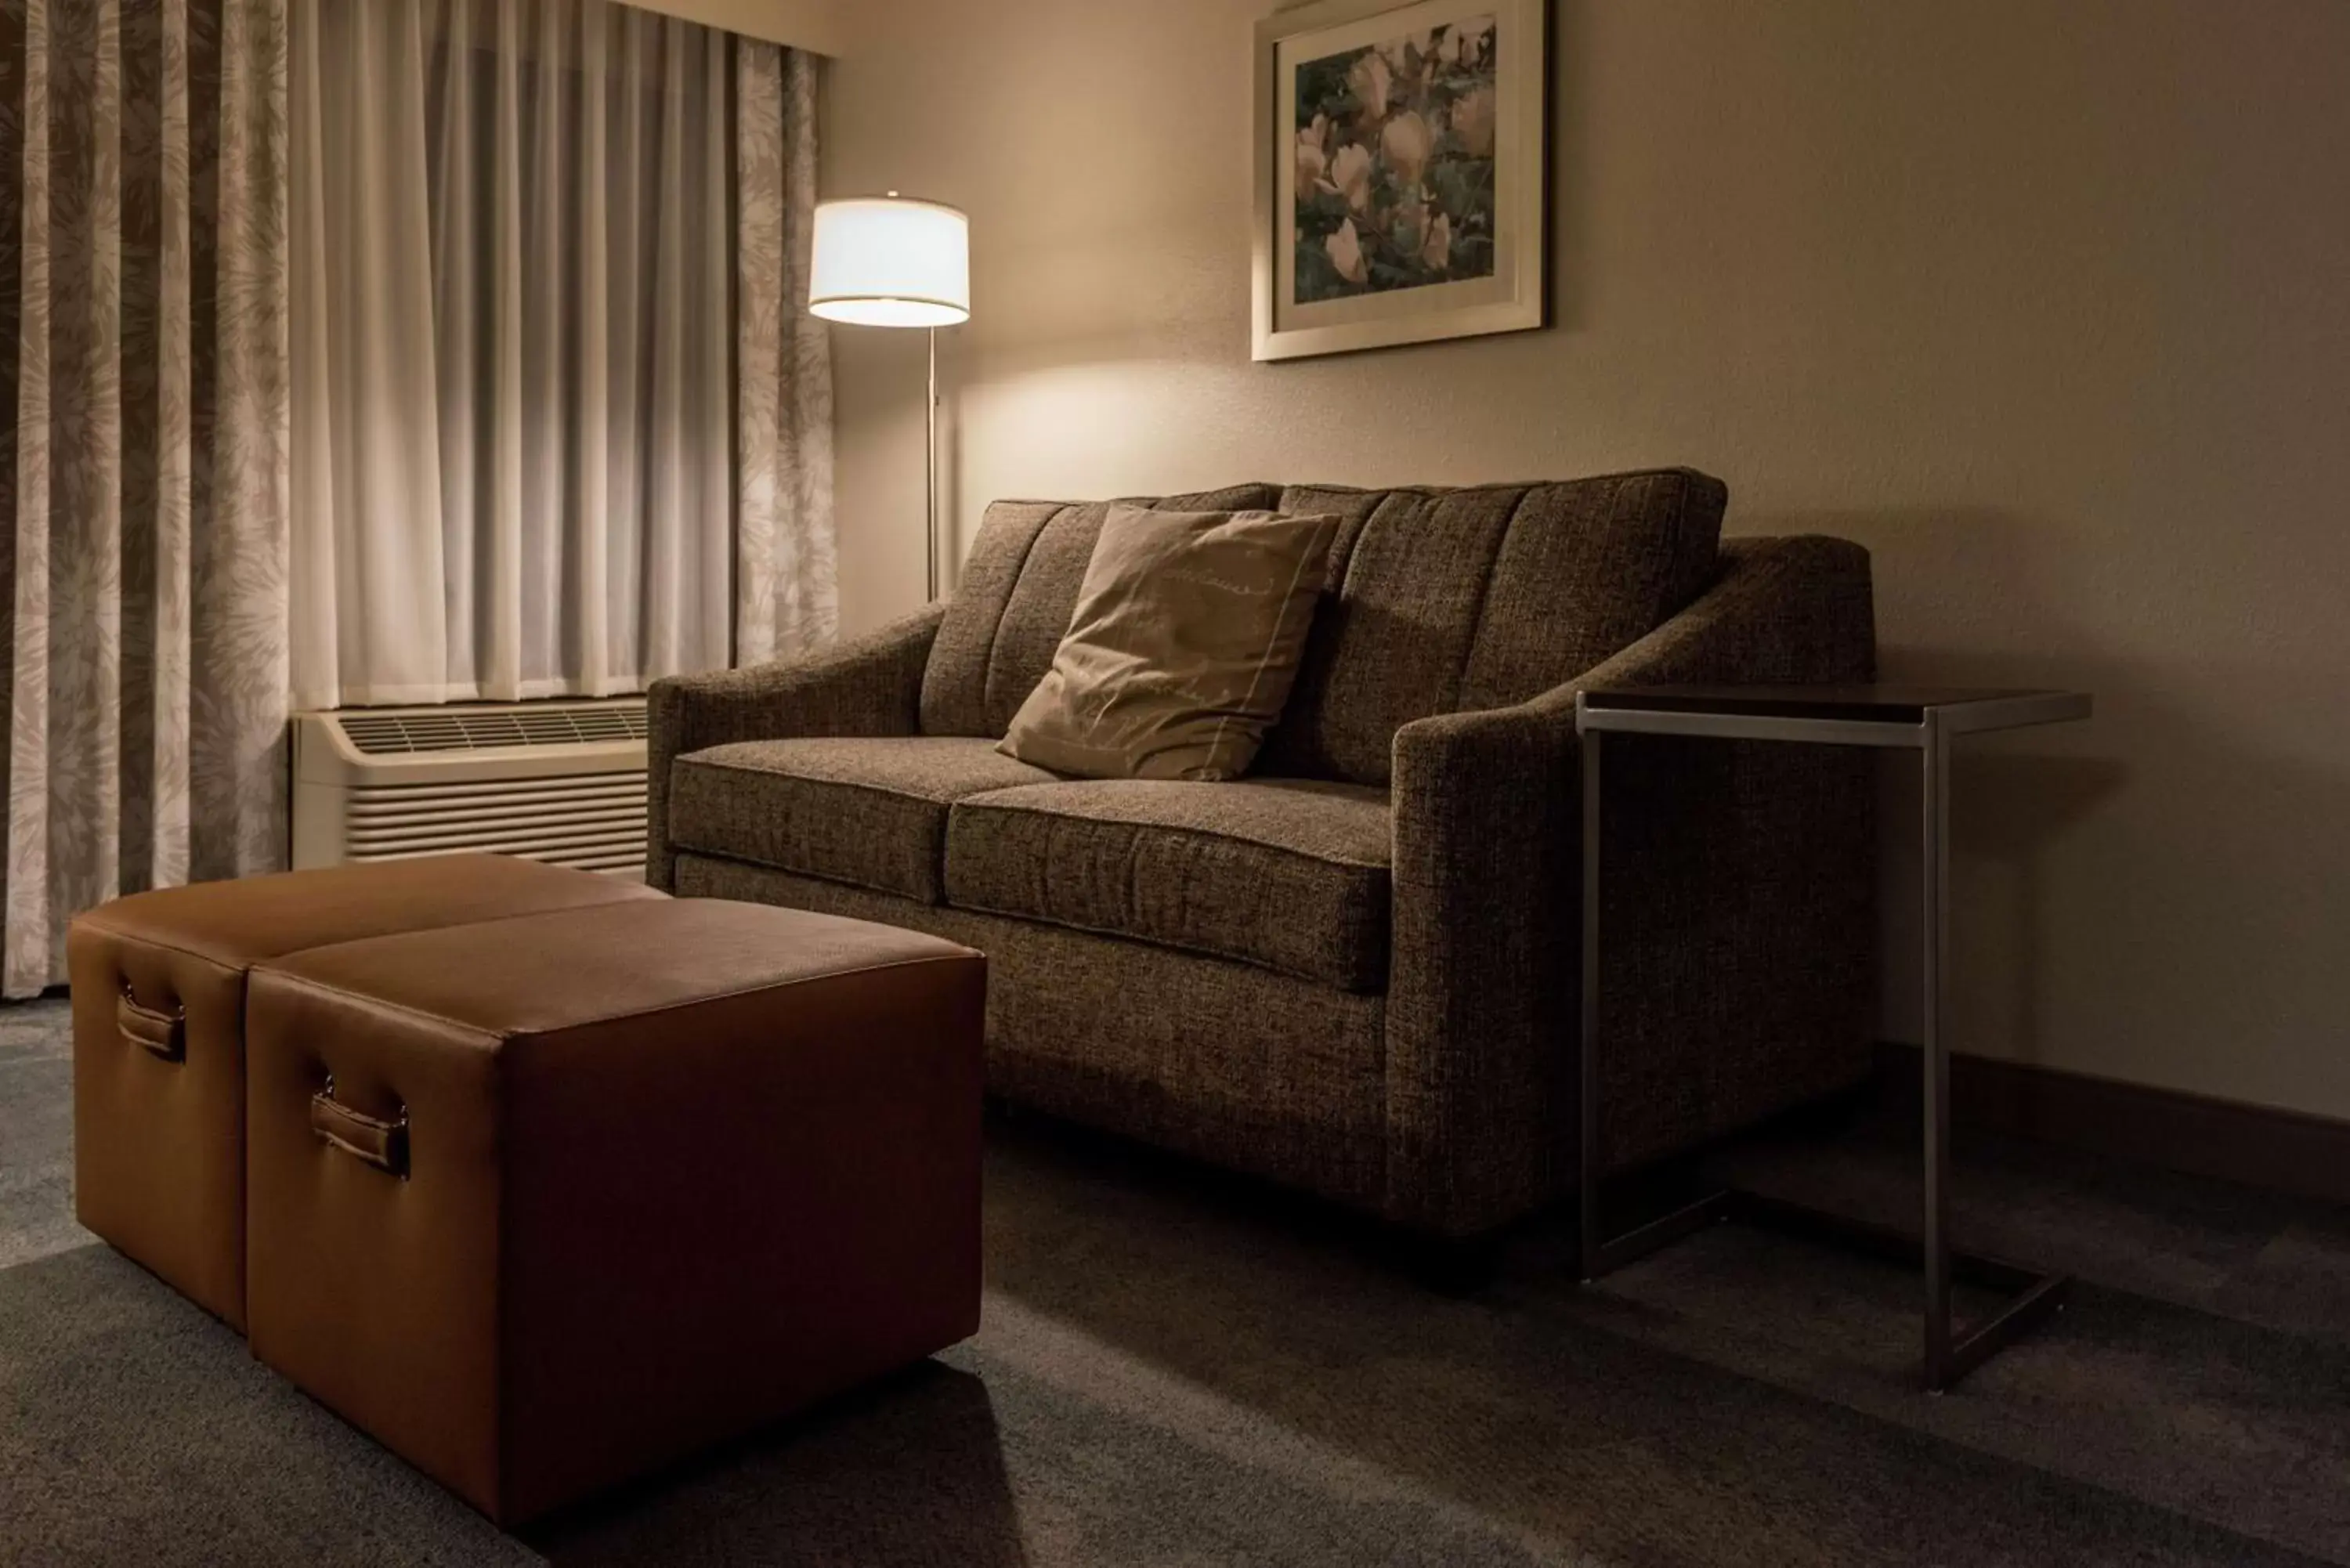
(890, 261)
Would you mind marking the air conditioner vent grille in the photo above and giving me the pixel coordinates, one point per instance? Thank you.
(463, 730)
(594, 821)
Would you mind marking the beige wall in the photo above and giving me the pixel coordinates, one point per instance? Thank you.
(2045, 301)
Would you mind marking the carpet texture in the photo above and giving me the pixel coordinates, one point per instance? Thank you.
(1177, 1369)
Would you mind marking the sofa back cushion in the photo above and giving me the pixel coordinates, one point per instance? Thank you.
(1438, 600)
(1446, 600)
(1012, 602)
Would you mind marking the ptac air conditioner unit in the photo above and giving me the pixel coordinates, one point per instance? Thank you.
(555, 780)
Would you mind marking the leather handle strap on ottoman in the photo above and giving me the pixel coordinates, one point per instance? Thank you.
(379, 1143)
(164, 1033)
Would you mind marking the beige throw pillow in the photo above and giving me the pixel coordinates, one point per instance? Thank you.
(1182, 649)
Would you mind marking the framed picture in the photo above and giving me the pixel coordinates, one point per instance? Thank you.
(1399, 173)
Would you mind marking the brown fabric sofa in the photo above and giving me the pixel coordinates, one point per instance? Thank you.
(1354, 970)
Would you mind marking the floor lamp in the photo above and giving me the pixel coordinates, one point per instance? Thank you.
(890, 261)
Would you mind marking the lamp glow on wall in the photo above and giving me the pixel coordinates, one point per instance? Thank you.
(890, 261)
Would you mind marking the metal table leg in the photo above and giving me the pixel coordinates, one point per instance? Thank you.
(1588, 1148)
(1947, 1360)
(1934, 776)
(2035, 1295)
(1602, 1254)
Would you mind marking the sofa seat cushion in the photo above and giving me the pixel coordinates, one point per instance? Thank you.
(871, 812)
(1291, 874)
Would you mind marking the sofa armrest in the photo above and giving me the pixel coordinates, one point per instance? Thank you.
(1483, 982)
(1795, 611)
(870, 685)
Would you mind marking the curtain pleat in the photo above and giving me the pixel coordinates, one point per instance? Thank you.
(628, 284)
(170, 583)
(595, 383)
(142, 479)
(24, 961)
(520, 459)
(238, 643)
(711, 603)
(787, 596)
(671, 471)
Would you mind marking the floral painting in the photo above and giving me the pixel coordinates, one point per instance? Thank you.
(1395, 186)
(1401, 185)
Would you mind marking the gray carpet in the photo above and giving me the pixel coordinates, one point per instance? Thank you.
(1177, 1369)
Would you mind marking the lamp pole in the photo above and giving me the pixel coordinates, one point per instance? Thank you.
(930, 473)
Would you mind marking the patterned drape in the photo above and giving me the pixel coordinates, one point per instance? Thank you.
(787, 595)
(143, 423)
(144, 432)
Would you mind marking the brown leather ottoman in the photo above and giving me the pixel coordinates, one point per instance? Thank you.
(159, 991)
(547, 1211)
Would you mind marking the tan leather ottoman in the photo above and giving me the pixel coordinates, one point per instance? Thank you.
(159, 991)
(549, 1210)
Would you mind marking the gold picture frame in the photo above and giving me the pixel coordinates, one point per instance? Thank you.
(1402, 187)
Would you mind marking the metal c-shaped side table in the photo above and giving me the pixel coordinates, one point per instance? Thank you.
(1922, 719)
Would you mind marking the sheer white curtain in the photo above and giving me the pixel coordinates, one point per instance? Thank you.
(513, 323)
